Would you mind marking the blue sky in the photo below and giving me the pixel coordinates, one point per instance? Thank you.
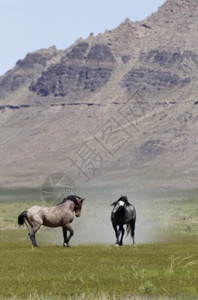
(29, 25)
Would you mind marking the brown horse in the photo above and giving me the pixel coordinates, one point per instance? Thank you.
(60, 215)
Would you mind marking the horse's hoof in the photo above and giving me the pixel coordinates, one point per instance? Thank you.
(116, 245)
(65, 245)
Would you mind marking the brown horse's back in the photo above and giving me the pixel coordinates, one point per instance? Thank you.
(49, 216)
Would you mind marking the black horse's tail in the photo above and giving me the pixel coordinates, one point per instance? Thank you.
(21, 217)
(129, 228)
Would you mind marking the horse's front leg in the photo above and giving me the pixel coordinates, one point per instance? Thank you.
(67, 227)
(64, 236)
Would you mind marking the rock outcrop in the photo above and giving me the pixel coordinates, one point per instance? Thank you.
(121, 105)
(84, 68)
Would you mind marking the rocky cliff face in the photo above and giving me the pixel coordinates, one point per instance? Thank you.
(139, 80)
(25, 70)
(83, 69)
(158, 53)
(161, 70)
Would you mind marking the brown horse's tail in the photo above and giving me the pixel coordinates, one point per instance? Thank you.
(21, 217)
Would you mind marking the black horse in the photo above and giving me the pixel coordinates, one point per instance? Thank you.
(123, 213)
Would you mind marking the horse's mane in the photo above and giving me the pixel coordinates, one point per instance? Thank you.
(124, 199)
(71, 198)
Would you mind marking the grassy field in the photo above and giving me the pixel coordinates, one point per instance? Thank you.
(165, 269)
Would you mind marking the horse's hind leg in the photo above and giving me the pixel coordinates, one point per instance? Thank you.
(117, 234)
(32, 234)
(133, 231)
(122, 234)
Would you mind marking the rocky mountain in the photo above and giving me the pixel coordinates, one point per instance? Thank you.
(121, 105)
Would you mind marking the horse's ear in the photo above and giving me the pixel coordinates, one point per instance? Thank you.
(114, 203)
(82, 199)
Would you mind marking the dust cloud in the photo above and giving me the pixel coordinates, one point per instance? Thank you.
(94, 226)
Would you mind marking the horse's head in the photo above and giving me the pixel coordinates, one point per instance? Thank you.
(78, 206)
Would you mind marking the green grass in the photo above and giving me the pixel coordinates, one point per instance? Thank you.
(97, 272)
(166, 270)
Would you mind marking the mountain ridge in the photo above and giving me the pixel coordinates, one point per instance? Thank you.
(139, 80)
